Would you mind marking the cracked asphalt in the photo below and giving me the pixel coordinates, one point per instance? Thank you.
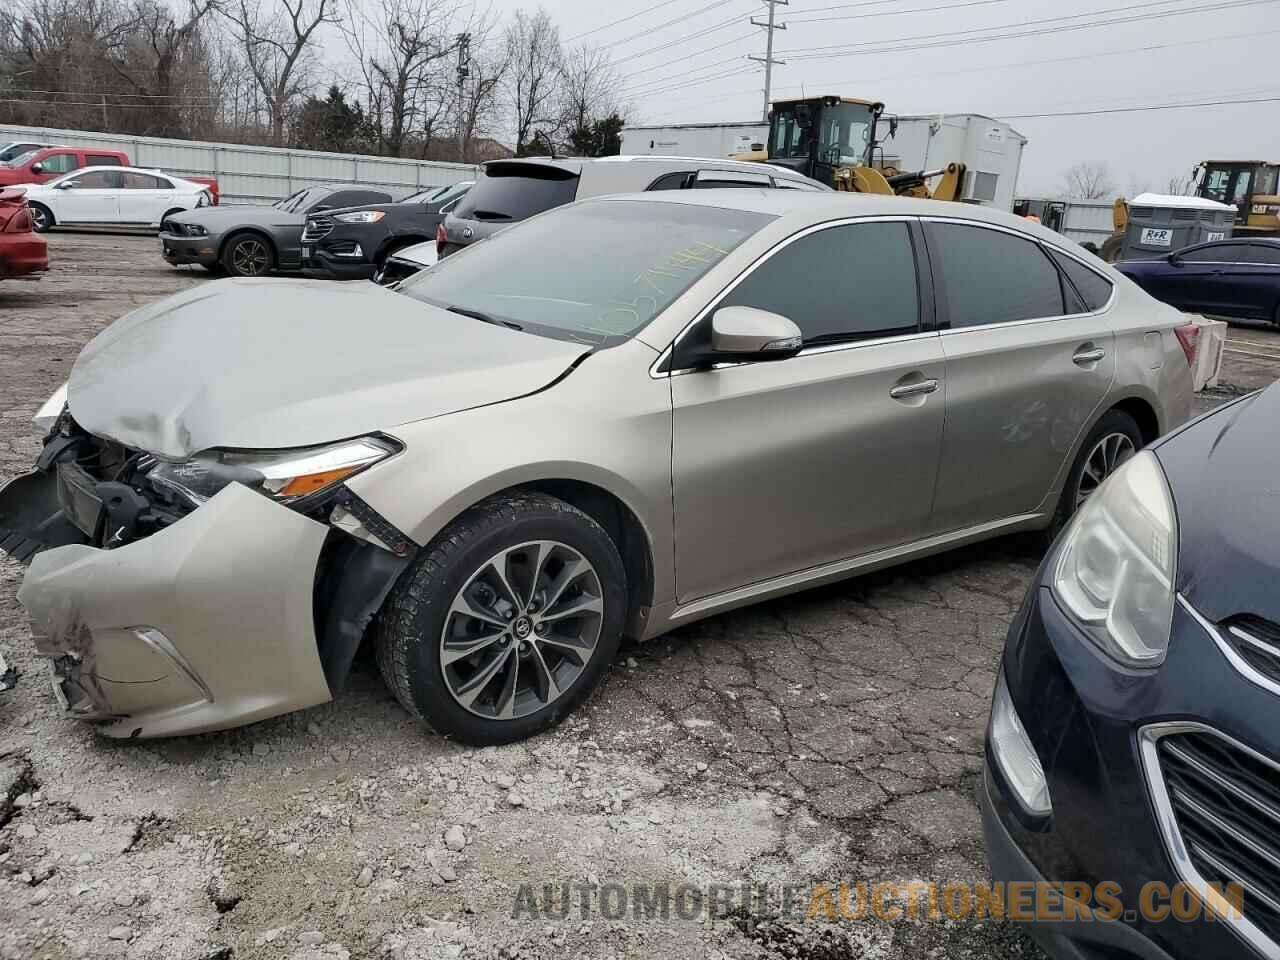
(833, 736)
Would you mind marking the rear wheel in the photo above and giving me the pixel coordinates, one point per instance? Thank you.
(1113, 440)
(248, 255)
(1111, 248)
(41, 217)
(507, 622)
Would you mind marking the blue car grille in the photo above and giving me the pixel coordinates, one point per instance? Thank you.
(1226, 802)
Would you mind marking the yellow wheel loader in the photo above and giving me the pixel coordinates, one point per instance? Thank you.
(833, 140)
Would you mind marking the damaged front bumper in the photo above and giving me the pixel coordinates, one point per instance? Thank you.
(206, 624)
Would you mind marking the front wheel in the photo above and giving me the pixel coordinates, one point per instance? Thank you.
(248, 255)
(507, 621)
(1114, 439)
(41, 217)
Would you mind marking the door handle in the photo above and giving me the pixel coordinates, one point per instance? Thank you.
(1082, 356)
(919, 388)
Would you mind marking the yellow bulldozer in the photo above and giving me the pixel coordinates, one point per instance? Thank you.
(1251, 186)
(834, 140)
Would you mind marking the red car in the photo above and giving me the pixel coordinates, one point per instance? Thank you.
(22, 250)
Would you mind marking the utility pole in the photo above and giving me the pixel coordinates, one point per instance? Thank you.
(464, 71)
(770, 26)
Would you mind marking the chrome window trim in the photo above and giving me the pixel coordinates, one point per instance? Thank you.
(1149, 738)
(751, 268)
(1045, 247)
(1241, 665)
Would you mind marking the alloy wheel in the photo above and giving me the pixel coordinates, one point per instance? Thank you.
(39, 222)
(521, 630)
(250, 258)
(1104, 459)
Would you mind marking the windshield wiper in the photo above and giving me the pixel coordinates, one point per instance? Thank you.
(477, 315)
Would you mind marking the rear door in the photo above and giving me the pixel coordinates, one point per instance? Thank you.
(1027, 366)
(92, 197)
(1243, 282)
(778, 467)
(145, 198)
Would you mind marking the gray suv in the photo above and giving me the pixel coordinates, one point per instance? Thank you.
(508, 191)
(612, 420)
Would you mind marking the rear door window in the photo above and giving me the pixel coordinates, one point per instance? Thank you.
(143, 181)
(1265, 253)
(992, 277)
(510, 192)
(1217, 253)
(1093, 288)
(843, 283)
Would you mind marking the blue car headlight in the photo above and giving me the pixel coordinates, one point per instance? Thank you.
(1116, 565)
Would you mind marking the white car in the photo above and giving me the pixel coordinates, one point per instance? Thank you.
(111, 196)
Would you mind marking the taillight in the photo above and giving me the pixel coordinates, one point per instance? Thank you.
(1189, 339)
(442, 238)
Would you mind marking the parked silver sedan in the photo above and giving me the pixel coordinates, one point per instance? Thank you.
(611, 420)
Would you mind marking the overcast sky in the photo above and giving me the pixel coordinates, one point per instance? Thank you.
(697, 70)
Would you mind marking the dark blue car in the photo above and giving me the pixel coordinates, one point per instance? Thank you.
(1133, 739)
(1237, 278)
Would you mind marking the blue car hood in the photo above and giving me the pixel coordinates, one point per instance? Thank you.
(1223, 470)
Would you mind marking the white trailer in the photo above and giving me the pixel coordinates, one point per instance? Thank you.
(1084, 221)
(712, 140)
(991, 150)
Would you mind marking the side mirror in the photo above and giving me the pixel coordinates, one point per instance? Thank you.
(745, 334)
(37, 168)
(1173, 259)
(66, 184)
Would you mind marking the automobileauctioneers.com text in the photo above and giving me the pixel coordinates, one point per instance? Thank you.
(914, 901)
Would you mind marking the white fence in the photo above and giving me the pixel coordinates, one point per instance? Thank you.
(256, 174)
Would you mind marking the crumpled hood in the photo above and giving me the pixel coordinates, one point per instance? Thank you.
(1226, 490)
(262, 364)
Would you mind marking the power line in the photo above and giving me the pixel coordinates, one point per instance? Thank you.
(898, 13)
(637, 89)
(150, 96)
(1144, 109)
(668, 23)
(696, 53)
(639, 13)
(732, 21)
(842, 49)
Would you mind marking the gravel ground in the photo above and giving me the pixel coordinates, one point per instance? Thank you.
(831, 736)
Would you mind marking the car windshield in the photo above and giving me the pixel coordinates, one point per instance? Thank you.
(21, 159)
(593, 272)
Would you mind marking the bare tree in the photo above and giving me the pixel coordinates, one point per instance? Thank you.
(1088, 181)
(276, 45)
(534, 59)
(477, 103)
(588, 89)
(401, 45)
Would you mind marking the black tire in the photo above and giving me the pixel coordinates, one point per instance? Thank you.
(1113, 423)
(42, 219)
(248, 254)
(1111, 248)
(411, 628)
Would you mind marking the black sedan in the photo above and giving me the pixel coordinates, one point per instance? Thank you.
(1133, 754)
(1238, 278)
(354, 243)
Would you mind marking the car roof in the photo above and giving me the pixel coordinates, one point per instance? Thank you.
(654, 165)
(804, 204)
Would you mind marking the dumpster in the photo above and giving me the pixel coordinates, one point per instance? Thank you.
(1160, 224)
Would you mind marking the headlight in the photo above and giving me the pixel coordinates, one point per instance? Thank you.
(1014, 753)
(361, 216)
(285, 475)
(1115, 571)
(51, 409)
(195, 230)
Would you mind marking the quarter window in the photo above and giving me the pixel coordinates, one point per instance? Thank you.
(993, 277)
(1093, 288)
(843, 283)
